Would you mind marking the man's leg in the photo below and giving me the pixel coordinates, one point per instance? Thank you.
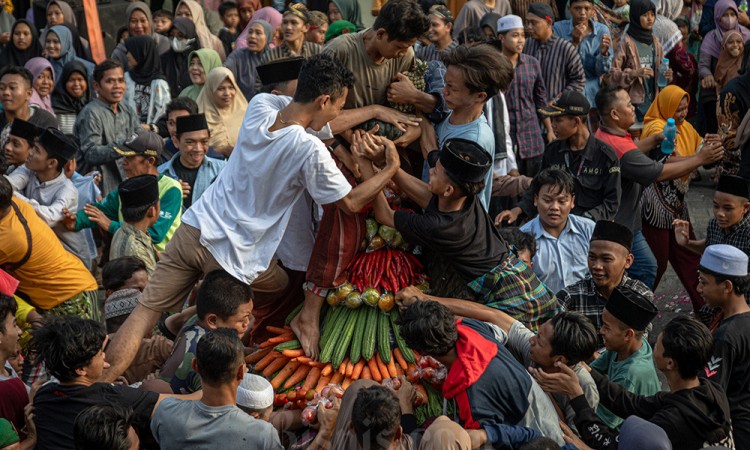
(644, 265)
(273, 299)
(658, 241)
(181, 265)
(685, 264)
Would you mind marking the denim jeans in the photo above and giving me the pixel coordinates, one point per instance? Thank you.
(644, 264)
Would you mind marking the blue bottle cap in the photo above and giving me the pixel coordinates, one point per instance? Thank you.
(665, 60)
(670, 121)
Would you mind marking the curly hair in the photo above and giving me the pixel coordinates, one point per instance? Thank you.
(429, 327)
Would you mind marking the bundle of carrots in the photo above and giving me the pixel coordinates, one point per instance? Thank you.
(290, 371)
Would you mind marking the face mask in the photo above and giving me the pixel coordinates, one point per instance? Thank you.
(728, 23)
(180, 45)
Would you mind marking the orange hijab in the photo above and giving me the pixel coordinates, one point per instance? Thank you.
(664, 107)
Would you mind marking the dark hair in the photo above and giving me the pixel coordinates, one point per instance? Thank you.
(376, 416)
(573, 336)
(104, 67)
(117, 271)
(103, 427)
(540, 443)
(681, 22)
(484, 69)
(182, 104)
(270, 87)
(429, 327)
(403, 20)
(163, 13)
(136, 213)
(225, 7)
(66, 344)
(427, 4)
(8, 305)
(121, 31)
(689, 343)
(218, 354)
(221, 294)
(6, 193)
(559, 178)
(18, 70)
(471, 35)
(605, 98)
(59, 160)
(740, 285)
(322, 75)
(519, 239)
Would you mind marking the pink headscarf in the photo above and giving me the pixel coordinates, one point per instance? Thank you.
(36, 66)
(268, 14)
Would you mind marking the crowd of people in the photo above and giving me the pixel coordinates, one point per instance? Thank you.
(164, 209)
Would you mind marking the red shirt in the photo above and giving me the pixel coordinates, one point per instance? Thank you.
(621, 144)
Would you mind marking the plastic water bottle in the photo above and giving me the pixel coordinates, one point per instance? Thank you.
(662, 80)
(670, 133)
(743, 6)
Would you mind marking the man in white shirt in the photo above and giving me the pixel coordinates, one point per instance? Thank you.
(239, 221)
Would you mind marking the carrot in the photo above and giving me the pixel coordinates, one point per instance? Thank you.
(257, 355)
(421, 392)
(283, 374)
(327, 370)
(399, 371)
(312, 378)
(374, 370)
(392, 367)
(346, 383)
(337, 378)
(357, 369)
(400, 358)
(312, 363)
(382, 367)
(277, 330)
(349, 369)
(366, 375)
(304, 359)
(263, 363)
(342, 367)
(277, 364)
(416, 355)
(322, 382)
(293, 353)
(298, 375)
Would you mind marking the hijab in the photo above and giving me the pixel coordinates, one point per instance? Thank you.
(635, 30)
(12, 56)
(209, 60)
(69, 16)
(224, 123)
(490, 20)
(639, 434)
(447, 435)
(36, 66)
(162, 42)
(62, 101)
(664, 107)
(175, 64)
(712, 43)
(69, 20)
(350, 12)
(268, 15)
(67, 52)
(207, 39)
(143, 49)
(728, 66)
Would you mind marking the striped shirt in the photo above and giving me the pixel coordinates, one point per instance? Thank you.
(431, 53)
(561, 66)
(282, 51)
(526, 95)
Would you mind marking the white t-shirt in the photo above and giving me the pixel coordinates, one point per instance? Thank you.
(245, 212)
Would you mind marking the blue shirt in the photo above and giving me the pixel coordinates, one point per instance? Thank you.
(594, 64)
(561, 261)
(477, 131)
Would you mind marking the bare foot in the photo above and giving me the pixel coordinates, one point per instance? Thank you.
(306, 325)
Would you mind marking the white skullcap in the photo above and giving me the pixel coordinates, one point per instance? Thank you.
(254, 392)
(724, 260)
(508, 23)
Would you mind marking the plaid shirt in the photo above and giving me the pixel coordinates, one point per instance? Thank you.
(526, 95)
(585, 298)
(738, 236)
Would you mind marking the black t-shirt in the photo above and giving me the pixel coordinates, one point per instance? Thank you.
(188, 176)
(730, 367)
(638, 172)
(467, 238)
(56, 407)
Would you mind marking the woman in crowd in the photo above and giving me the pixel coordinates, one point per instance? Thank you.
(146, 87)
(684, 65)
(733, 105)
(629, 71)
(730, 59)
(345, 10)
(140, 23)
(202, 62)
(60, 51)
(726, 19)
(44, 83)
(243, 62)
(61, 13)
(24, 44)
(294, 26)
(224, 106)
(664, 201)
(268, 14)
(192, 10)
(71, 95)
(174, 63)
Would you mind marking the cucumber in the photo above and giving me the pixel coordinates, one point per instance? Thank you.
(384, 337)
(405, 350)
(369, 335)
